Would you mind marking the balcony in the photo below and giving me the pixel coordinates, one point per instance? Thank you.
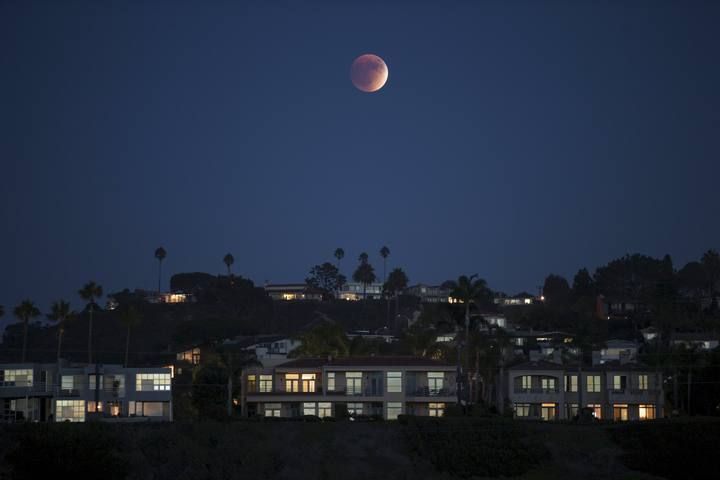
(254, 391)
(432, 392)
(537, 390)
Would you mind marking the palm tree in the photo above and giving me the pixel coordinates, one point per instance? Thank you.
(233, 363)
(89, 293)
(60, 313)
(364, 273)
(228, 260)
(129, 317)
(339, 254)
(24, 312)
(384, 252)
(160, 254)
(395, 284)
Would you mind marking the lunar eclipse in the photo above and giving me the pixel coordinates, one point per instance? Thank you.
(368, 73)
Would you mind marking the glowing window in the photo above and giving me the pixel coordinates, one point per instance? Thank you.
(393, 410)
(394, 382)
(292, 382)
(436, 409)
(70, 411)
(331, 381)
(593, 383)
(266, 383)
(149, 382)
(324, 409)
(308, 382)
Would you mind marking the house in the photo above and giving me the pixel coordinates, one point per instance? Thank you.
(523, 298)
(355, 291)
(551, 391)
(428, 293)
(381, 334)
(270, 350)
(698, 341)
(354, 386)
(621, 351)
(76, 393)
(292, 292)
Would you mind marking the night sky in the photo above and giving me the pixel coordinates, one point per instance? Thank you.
(513, 138)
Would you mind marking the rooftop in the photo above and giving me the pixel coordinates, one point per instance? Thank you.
(379, 361)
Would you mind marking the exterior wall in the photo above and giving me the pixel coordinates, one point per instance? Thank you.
(372, 392)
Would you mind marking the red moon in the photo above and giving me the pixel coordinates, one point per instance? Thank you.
(368, 73)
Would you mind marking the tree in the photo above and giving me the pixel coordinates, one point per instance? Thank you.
(60, 313)
(556, 291)
(339, 255)
(384, 252)
(364, 273)
(326, 339)
(325, 277)
(711, 264)
(583, 285)
(24, 312)
(130, 317)
(228, 260)
(234, 361)
(89, 293)
(2, 310)
(160, 254)
(467, 290)
(395, 284)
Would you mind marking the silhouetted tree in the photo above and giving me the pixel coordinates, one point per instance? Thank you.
(325, 277)
(228, 260)
(160, 254)
(583, 285)
(89, 293)
(130, 317)
(364, 274)
(711, 264)
(394, 286)
(339, 255)
(556, 291)
(24, 312)
(384, 252)
(60, 313)
(328, 338)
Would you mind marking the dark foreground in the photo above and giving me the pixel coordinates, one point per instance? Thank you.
(412, 449)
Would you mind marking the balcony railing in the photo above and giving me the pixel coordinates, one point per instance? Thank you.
(431, 392)
(537, 390)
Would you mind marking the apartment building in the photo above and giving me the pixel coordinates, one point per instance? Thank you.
(78, 393)
(354, 386)
(613, 390)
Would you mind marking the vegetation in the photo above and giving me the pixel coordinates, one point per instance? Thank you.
(364, 273)
(90, 292)
(160, 255)
(326, 278)
(60, 313)
(24, 312)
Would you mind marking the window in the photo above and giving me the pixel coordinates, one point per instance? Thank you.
(148, 382)
(571, 383)
(331, 381)
(308, 382)
(16, 378)
(272, 409)
(70, 410)
(252, 383)
(547, 411)
(394, 382)
(91, 407)
(597, 410)
(393, 410)
(355, 408)
(547, 384)
(435, 382)
(593, 383)
(619, 382)
(642, 382)
(324, 409)
(309, 408)
(354, 383)
(92, 382)
(266, 383)
(646, 411)
(522, 409)
(192, 356)
(572, 410)
(292, 382)
(526, 382)
(149, 409)
(115, 408)
(620, 412)
(436, 409)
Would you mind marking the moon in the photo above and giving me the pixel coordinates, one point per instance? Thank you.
(368, 73)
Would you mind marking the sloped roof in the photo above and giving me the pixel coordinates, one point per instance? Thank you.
(375, 361)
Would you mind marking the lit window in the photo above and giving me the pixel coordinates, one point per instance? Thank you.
(435, 382)
(353, 382)
(522, 409)
(309, 408)
(266, 383)
(331, 381)
(620, 412)
(91, 407)
(150, 409)
(646, 411)
(67, 382)
(597, 410)
(572, 410)
(619, 382)
(292, 382)
(393, 410)
(547, 411)
(526, 382)
(571, 383)
(355, 408)
(252, 383)
(308, 382)
(436, 409)
(16, 378)
(324, 409)
(148, 382)
(93, 381)
(70, 411)
(272, 409)
(547, 384)
(593, 383)
(394, 382)
(642, 382)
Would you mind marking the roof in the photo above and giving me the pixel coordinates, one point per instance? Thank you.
(571, 367)
(245, 342)
(538, 365)
(377, 361)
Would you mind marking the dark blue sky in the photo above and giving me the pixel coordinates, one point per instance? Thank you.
(513, 138)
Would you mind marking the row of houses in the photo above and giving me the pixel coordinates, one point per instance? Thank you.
(76, 393)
